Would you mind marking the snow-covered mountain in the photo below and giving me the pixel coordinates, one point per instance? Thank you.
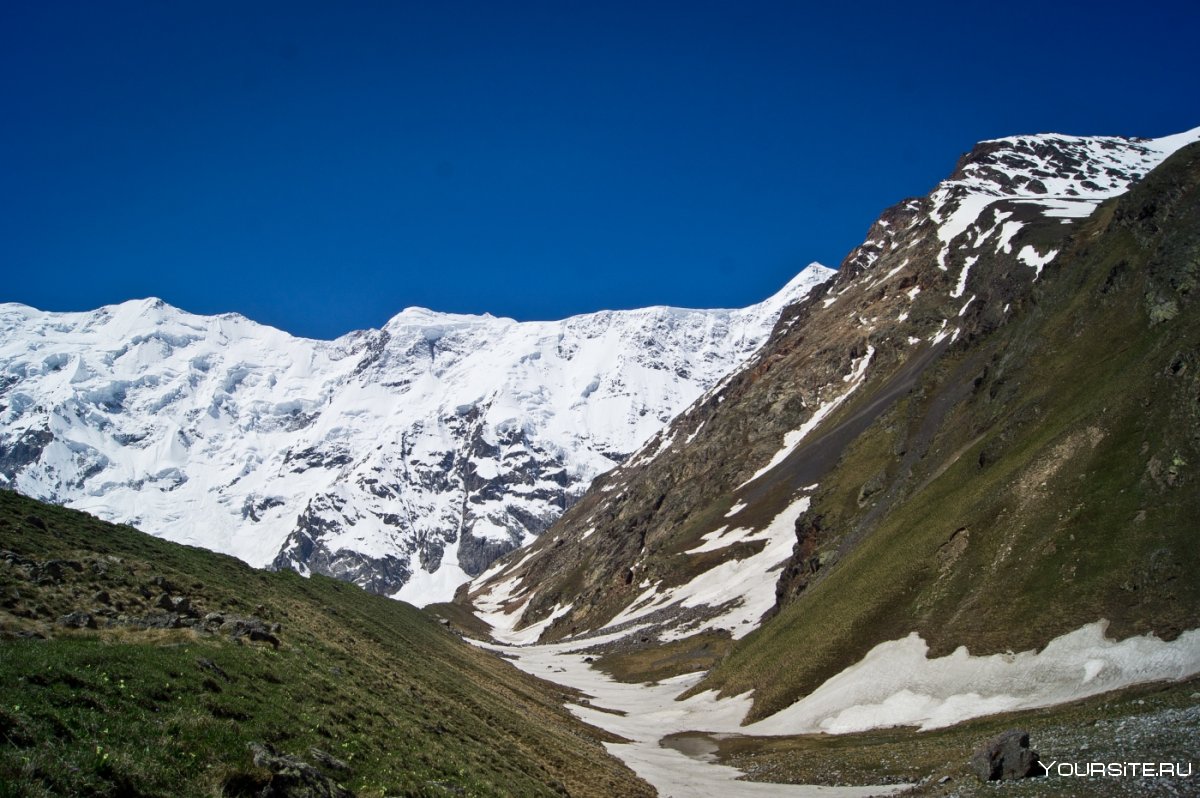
(404, 459)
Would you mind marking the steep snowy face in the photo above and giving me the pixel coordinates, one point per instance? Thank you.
(404, 459)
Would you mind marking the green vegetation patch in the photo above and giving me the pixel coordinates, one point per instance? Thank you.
(656, 661)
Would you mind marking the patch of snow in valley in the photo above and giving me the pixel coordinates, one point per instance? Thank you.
(643, 714)
(897, 684)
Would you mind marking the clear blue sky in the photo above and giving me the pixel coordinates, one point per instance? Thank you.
(320, 166)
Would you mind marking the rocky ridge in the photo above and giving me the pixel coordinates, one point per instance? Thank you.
(733, 491)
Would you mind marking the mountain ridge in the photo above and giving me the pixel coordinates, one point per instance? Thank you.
(777, 483)
(403, 458)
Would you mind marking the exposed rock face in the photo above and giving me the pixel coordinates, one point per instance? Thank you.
(404, 459)
(1006, 756)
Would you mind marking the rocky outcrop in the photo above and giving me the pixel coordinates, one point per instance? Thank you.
(51, 593)
(292, 777)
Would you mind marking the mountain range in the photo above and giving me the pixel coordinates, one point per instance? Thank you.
(404, 459)
(949, 487)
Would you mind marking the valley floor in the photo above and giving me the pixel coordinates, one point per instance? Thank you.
(647, 714)
(696, 749)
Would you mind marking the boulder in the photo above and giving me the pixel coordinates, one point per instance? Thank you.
(1006, 756)
(328, 761)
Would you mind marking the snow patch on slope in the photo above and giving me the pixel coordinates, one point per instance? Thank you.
(1030, 257)
(896, 684)
(743, 589)
(793, 439)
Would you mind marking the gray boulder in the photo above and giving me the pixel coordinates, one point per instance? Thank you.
(1006, 756)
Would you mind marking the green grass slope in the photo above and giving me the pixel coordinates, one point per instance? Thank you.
(1036, 479)
(132, 666)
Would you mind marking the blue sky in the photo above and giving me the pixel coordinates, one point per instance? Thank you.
(320, 166)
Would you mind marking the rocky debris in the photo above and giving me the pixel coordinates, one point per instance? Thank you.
(168, 610)
(327, 760)
(77, 620)
(180, 605)
(292, 777)
(207, 664)
(1162, 734)
(54, 571)
(14, 559)
(169, 620)
(1006, 756)
(255, 629)
(24, 634)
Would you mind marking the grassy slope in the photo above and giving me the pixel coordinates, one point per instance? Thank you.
(126, 711)
(1067, 472)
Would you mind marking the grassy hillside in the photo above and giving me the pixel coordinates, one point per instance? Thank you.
(132, 666)
(1037, 478)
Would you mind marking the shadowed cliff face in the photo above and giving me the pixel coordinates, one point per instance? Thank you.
(979, 430)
